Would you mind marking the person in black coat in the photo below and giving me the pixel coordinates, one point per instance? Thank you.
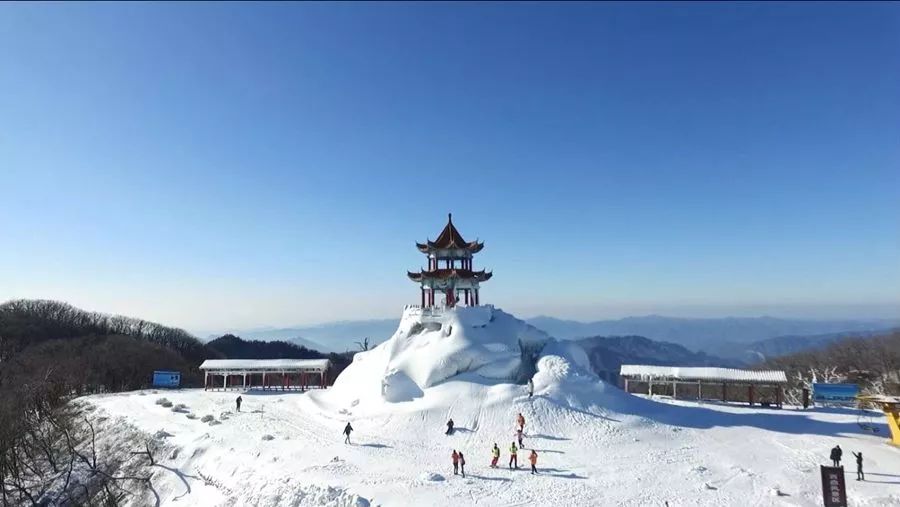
(860, 476)
(347, 430)
(449, 427)
(238, 402)
(836, 454)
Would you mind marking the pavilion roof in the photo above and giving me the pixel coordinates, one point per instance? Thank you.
(702, 373)
(450, 239)
(443, 274)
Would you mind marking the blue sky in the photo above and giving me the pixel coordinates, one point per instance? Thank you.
(223, 165)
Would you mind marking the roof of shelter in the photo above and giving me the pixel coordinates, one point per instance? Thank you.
(703, 373)
(265, 364)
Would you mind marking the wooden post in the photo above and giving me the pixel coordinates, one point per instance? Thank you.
(778, 396)
(626, 384)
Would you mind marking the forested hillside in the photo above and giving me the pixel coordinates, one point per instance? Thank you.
(871, 362)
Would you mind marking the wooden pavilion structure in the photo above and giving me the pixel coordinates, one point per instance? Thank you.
(765, 387)
(450, 269)
(265, 373)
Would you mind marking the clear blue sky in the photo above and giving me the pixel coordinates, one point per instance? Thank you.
(220, 165)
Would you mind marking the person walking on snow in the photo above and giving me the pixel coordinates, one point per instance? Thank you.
(860, 476)
(347, 430)
(519, 435)
(495, 453)
(533, 459)
(455, 458)
(512, 456)
(462, 465)
(449, 427)
(238, 402)
(520, 421)
(530, 388)
(836, 454)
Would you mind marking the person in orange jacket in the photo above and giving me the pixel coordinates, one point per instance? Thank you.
(455, 458)
(520, 421)
(533, 459)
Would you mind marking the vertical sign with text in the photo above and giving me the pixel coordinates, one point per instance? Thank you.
(834, 490)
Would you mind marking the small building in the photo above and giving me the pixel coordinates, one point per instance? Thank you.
(265, 373)
(450, 269)
(166, 378)
(706, 383)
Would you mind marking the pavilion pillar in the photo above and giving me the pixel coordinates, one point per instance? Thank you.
(724, 392)
(674, 390)
(778, 396)
(650, 388)
(626, 384)
(244, 384)
(205, 380)
(750, 394)
(225, 381)
(422, 290)
(699, 389)
(264, 381)
(289, 382)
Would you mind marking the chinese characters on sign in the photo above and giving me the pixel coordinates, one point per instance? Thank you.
(834, 491)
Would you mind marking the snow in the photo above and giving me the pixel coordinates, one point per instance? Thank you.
(596, 444)
(703, 373)
(267, 364)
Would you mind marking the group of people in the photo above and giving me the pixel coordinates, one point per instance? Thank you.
(459, 461)
(837, 453)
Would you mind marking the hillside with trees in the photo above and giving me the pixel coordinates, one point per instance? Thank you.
(871, 362)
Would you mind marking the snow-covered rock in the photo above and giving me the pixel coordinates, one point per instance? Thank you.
(429, 349)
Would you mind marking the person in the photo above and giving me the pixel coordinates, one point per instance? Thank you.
(347, 430)
(462, 464)
(519, 435)
(238, 402)
(530, 388)
(533, 459)
(455, 458)
(512, 455)
(836, 454)
(495, 453)
(449, 427)
(860, 476)
(520, 420)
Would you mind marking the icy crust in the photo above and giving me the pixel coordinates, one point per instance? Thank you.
(427, 350)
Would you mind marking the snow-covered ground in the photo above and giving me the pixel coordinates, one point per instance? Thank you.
(596, 444)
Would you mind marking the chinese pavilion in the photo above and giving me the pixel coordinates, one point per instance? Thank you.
(450, 268)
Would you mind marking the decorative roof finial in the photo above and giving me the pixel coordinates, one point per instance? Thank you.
(450, 217)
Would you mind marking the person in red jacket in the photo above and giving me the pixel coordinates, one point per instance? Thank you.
(520, 421)
(455, 458)
(533, 459)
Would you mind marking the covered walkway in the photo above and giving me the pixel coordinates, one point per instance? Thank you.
(265, 373)
(765, 387)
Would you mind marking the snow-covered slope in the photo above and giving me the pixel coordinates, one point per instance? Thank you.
(596, 444)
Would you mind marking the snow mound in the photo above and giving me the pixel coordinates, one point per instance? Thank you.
(428, 349)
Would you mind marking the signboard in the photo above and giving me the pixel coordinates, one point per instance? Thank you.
(834, 490)
(166, 379)
(843, 394)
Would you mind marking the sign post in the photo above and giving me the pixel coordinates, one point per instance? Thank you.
(834, 490)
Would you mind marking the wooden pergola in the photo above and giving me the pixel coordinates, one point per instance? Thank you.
(727, 384)
(271, 373)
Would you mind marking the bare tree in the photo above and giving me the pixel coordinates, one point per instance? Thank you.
(364, 345)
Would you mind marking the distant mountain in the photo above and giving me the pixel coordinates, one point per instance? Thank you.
(607, 354)
(338, 336)
(714, 336)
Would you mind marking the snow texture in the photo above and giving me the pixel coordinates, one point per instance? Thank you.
(703, 373)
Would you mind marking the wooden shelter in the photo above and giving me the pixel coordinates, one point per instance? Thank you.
(265, 373)
(765, 387)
